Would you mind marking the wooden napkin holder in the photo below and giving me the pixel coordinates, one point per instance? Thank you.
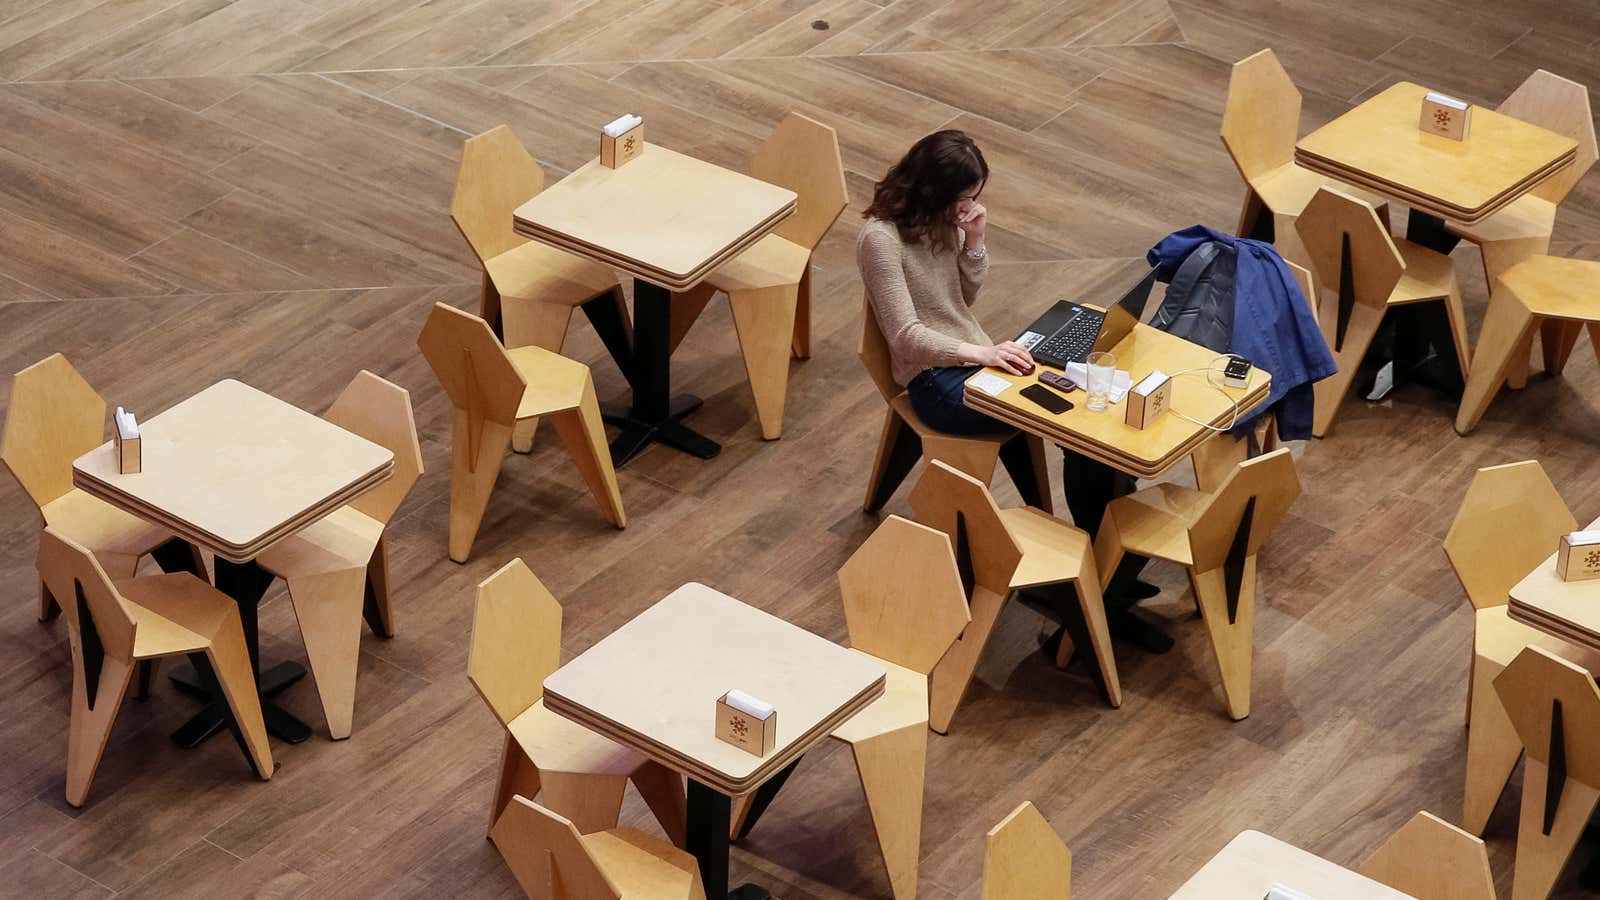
(1149, 400)
(751, 733)
(1578, 556)
(1445, 116)
(622, 149)
(129, 456)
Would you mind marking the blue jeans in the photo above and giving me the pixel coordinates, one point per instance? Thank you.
(936, 396)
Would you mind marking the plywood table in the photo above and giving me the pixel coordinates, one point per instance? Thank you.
(653, 685)
(235, 470)
(1253, 862)
(1570, 610)
(668, 220)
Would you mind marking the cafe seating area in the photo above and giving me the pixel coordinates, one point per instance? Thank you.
(291, 288)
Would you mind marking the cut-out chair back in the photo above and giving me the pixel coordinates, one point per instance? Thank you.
(902, 593)
(1555, 707)
(1244, 511)
(380, 411)
(874, 353)
(471, 364)
(497, 175)
(1261, 118)
(802, 155)
(54, 418)
(516, 640)
(547, 855)
(1430, 859)
(1024, 859)
(1355, 259)
(1560, 105)
(962, 507)
(1509, 521)
(95, 615)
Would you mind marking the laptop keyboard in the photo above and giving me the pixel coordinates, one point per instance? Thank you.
(1073, 341)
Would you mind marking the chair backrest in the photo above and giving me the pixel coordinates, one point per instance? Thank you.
(1430, 859)
(962, 507)
(1560, 105)
(874, 353)
(1353, 255)
(516, 640)
(802, 155)
(1024, 859)
(1548, 697)
(496, 176)
(903, 600)
(547, 855)
(1509, 521)
(380, 411)
(54, 418)
(1261, 118)
(471, 365)
(1244, 511)
(95, 616)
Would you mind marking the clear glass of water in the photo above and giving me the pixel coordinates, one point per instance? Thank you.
(1102, 367)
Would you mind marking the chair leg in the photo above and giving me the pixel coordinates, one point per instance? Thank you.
(1024, 460)
(1330, 392)
(584, 435)
(948, 682)
(1499, 256)
(1521, 364)
(147, 677)
(662, 790)
(48, 607)
(764, 319)
(802, 317)
(1233, 641)
(593, 802)
(893, 767)
(518, 775)
(1456, 314)
(530, 323)
(1108, 549)
(1557, 337)
(1505, 323)
(328, 606)
(89, 728)
(229, 658)
(377, 608)
(899, 448)
(1093, 605)
(474, 465)
(1493, 748)
(1542, 856)
(686, 309)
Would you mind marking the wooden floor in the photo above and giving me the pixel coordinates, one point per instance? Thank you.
(199, 189)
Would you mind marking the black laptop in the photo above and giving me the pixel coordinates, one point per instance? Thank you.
(1069, 332)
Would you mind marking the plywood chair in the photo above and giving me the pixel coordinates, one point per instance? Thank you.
(1364, 271)
(55, 417)
(516, 644)
(1430, 859)
(554, 860)
(115, 625)
(492, 389)
(1508, 522)
(906, 438)
(1541, 290)
(1216, 537)
(337, 568)
(1002, 551)
(1024, 859)
(1555, 707)
(1522, 230)
(529, 288)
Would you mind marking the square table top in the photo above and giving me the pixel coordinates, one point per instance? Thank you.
(653, 685)
(235, 469)
(1253, 862)
(664, 217)
(1567, 609)
(1105, 435)
(1379, 146)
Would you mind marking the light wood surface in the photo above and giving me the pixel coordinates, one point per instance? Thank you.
(1507, 524)
(1024, 859)
(652, 685)
(1430, 859)
(550, 858)
(1253, 862)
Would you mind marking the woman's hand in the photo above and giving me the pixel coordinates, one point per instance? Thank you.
(1008, 355)
(973, 219)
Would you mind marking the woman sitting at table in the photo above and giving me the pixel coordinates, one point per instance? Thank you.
(923, 260)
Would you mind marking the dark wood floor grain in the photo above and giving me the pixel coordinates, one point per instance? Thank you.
(199, 189)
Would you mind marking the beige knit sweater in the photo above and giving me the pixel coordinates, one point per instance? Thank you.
(920, 298)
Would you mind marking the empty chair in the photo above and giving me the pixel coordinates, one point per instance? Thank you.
(114, 625)
(1508, 523)
(1555, 707)
(1216, 536)
(516, 644)
(55, 417)
(1002, 551)
(1024, 859)
(1364, 271)
(1430, 859)
(337, 568)
(552, 860)
(492, 389)
(906, 439)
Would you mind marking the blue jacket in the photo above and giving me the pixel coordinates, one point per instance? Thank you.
(1273, 325)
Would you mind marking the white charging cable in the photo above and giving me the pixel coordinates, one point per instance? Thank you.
(1210, 370)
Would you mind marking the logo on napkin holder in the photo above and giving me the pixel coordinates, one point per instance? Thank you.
(746, 723)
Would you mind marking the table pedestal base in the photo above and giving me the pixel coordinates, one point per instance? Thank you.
(638, 434)
(212, 719)
(654, 415)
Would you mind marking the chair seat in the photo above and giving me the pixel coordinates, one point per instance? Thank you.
(644, 867)
(101, 527)
(559, 744)
(1429, 274)
(1155, 521)
(1053, 551)
(1525, 217)
(904, 703)
(555, 383)
(902, 406)
(1287, 189)
(343, 539)
(1499, 638)
(535, 271)
(1556, 286)
(769, 262)
(176, 613)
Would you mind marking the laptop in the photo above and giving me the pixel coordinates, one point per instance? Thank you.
(1069, 332)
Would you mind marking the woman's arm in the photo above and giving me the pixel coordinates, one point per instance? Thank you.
(878, 258)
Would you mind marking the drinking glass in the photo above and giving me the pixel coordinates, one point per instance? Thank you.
(1102, 368)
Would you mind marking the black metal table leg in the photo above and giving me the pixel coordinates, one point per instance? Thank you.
(654, 416)
(709, 819)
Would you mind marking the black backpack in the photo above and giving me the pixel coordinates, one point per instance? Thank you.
(1198, 306)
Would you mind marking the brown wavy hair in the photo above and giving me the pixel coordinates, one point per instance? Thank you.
(917, 192)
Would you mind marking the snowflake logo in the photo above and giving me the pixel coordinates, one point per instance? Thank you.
(627, 144)
(741, 727)
(1591, 560)
(1441, 117)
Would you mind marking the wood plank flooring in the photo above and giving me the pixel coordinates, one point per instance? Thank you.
(199, 189)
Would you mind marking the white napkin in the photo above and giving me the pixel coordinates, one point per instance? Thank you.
(1284, 892)
(127, 425)
(622, 125)
(748, 705)
(989, 383)
(1120, 382)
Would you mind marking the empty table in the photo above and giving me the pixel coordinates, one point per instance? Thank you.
(1253, 862)
(1570, 610)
